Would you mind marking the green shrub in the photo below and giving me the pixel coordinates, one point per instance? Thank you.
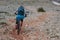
(40, 10)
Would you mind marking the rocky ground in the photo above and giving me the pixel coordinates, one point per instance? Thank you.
(36, 26)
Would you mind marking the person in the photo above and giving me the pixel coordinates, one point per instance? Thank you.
(20, 15)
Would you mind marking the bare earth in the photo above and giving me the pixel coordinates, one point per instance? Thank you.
(36, 26)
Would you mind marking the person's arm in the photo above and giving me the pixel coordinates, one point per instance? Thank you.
(27, 13)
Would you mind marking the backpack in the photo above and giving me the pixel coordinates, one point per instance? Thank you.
(21, 10)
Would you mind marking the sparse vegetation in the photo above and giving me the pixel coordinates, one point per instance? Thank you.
(6, 13)
(3, 12)
(1, 23)
(40, 10)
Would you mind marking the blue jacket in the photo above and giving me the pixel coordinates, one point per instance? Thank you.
(20, 15)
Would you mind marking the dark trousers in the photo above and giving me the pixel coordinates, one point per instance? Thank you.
(19, 23)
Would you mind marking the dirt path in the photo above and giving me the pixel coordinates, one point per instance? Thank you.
(31, 29)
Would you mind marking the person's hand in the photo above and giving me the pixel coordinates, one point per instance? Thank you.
(15, 13)
(25, 15)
